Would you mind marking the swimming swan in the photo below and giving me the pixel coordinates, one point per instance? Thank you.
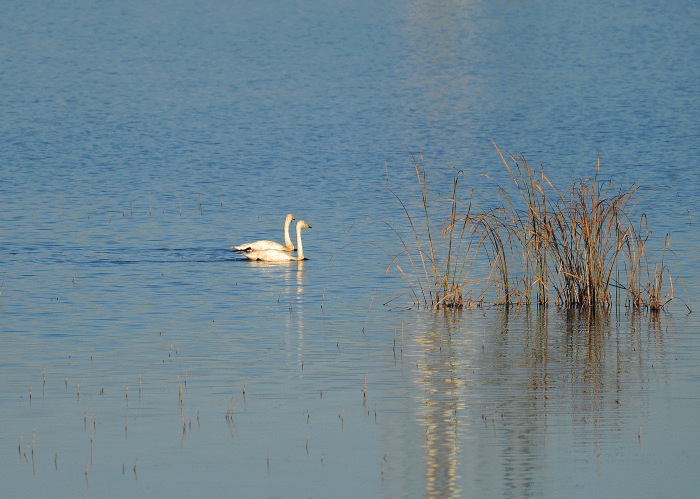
(277, 255)
(271, 245)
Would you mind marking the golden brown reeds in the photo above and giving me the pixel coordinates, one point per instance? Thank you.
(543, 246)
(449, 278)
(566, 247)
(436, 276)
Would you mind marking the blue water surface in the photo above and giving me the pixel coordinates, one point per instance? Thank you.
(140, 141)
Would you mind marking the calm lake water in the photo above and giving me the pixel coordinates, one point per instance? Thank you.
(140, 357)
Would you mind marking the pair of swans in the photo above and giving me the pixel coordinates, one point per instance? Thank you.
(270, 251)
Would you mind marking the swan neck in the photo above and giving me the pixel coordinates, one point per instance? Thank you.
(300, 249)
(287, 239)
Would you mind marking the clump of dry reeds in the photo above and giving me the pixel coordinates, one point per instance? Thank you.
(576, 248)
(570, 248)
(438, 276)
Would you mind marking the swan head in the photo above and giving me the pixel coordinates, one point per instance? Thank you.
(289, 218)
(301, 224)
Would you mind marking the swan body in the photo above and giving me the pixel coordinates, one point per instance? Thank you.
(270, 245)
(272, 255)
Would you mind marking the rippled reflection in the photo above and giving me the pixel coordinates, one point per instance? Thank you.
(444, 398)
(496, 396)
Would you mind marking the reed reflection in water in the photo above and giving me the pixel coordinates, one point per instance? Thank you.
(498, 406)
(445, 398)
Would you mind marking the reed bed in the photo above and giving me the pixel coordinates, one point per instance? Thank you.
(583, 247)
(574, 248)
(436, 279)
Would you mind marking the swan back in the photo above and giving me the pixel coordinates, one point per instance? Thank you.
(260, 246)
(269, 256)
(270, 245)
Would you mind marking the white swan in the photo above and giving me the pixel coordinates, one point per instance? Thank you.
(271, 245)
(277, 255)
